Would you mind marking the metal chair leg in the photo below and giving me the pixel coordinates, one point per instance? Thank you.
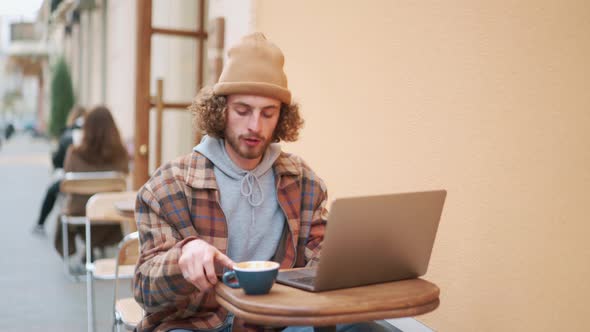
(90, 300)
(65, 245)
(116, 319)
(67, 259)
(89, 279)
(117, 323)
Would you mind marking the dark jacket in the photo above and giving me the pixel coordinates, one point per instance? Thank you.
(65, 140)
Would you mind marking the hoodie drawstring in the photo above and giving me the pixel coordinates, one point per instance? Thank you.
(247, 188)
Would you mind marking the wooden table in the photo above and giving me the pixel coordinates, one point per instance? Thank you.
(288, 306)
(126, 207)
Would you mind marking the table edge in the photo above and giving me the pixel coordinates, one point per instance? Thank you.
(432, 294)
(327, 320)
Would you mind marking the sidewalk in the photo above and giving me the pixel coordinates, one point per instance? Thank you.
(36, 296)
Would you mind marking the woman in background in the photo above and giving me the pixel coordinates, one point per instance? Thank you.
(101, 149)
(74, 124)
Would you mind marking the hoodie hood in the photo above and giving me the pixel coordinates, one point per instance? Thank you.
(249, 201)
(250, 187)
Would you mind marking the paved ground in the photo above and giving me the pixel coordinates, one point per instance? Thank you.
(36, 296)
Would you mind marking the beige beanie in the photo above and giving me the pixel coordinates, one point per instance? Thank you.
(254, 66)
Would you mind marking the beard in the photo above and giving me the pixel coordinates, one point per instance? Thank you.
(245, 151)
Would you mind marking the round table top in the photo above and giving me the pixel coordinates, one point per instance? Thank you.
(286, 305)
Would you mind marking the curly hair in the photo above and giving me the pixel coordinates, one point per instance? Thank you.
(209, 112)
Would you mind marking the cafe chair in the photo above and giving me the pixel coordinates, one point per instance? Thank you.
(101, 209)
(126, 311)
(85, 183)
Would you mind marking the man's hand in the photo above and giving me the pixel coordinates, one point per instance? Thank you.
(197, 264)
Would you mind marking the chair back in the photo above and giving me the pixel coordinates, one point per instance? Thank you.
(126, 311)
(88, 183)
(128, 250)
(102, 207)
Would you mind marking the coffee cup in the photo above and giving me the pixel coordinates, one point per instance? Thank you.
(254, 277)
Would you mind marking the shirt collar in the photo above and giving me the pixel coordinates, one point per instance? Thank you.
(200, 174)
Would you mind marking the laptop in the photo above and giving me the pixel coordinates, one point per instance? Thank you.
(373, 239)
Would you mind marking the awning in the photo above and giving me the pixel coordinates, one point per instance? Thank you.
(27, 56)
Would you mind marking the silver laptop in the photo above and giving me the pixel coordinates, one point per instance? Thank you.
(373, 239)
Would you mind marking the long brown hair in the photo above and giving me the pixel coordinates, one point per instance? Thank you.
(101, 141)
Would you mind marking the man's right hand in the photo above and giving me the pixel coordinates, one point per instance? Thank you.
(197, 263)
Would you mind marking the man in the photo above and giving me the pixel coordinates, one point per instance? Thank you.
(236, 197)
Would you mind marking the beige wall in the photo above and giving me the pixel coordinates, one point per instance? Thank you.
(120, 64)
(92, 72)
(94, 56)
(85, 51)
(239, 17)
(488, 100)
(174, 59)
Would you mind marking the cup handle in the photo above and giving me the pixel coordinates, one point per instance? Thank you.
(228, 276)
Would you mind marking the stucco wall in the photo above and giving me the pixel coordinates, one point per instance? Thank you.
(174, 59)
(120, 64)
(488, 100)
(239, 17)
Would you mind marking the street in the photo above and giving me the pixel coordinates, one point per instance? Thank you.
(36, 295)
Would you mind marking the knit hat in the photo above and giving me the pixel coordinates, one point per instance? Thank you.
(254, 66)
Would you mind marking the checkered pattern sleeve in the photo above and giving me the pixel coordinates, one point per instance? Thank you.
(315, 199)
(158, 282)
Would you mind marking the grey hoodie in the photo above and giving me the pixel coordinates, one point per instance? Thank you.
(255, 220)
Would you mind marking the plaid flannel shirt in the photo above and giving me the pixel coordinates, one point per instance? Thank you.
(181, 203)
